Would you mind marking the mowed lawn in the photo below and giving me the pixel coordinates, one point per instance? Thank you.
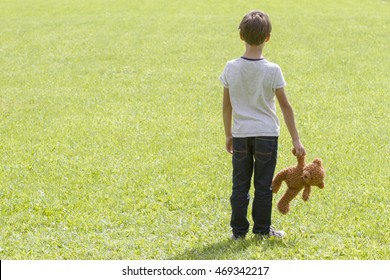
(111, 135)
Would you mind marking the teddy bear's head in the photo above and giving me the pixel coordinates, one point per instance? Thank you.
(314, 174)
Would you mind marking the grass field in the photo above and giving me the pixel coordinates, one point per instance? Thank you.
(111, 135)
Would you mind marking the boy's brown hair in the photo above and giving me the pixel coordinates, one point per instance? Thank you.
(255, 27)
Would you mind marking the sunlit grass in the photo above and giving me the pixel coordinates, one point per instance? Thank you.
(112, 143)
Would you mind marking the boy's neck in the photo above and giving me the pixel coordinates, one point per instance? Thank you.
(253, 51)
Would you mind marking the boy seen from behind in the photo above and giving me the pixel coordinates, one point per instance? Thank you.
(251, 84)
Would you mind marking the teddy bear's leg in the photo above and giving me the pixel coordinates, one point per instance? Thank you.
(306, 193)
(284, 202)
(277, 182)
(283, 207)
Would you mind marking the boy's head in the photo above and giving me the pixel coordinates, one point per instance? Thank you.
(255, 28)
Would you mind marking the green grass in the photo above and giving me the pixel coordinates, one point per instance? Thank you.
(111, 136)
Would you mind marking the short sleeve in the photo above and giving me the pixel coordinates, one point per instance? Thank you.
(223, 77)
(279, 81)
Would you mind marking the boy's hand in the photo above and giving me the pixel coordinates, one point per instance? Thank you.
(299, 149)
(229, 144)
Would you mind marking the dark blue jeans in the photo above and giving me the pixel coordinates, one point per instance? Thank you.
(253, 155)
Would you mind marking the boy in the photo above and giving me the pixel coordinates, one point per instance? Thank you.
(250, 86)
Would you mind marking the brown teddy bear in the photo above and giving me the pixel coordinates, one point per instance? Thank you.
(298, 177)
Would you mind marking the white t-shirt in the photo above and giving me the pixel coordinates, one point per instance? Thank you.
(252, 85)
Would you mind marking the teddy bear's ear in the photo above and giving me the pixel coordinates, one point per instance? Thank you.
(318, 162)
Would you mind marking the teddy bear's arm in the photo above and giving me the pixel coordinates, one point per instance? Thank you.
(306, 193)
(301, 161)
(279, 178)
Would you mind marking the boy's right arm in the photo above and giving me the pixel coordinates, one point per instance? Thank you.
(227, 119)
(289, 119)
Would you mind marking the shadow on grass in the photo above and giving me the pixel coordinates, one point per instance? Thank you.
(227, 248)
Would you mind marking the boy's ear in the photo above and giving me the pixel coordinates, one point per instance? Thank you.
(242, 36)
(267, 38)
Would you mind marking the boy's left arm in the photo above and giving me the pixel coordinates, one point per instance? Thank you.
(289, 119)
(227, 119)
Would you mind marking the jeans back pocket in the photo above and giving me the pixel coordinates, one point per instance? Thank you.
(266, 147)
